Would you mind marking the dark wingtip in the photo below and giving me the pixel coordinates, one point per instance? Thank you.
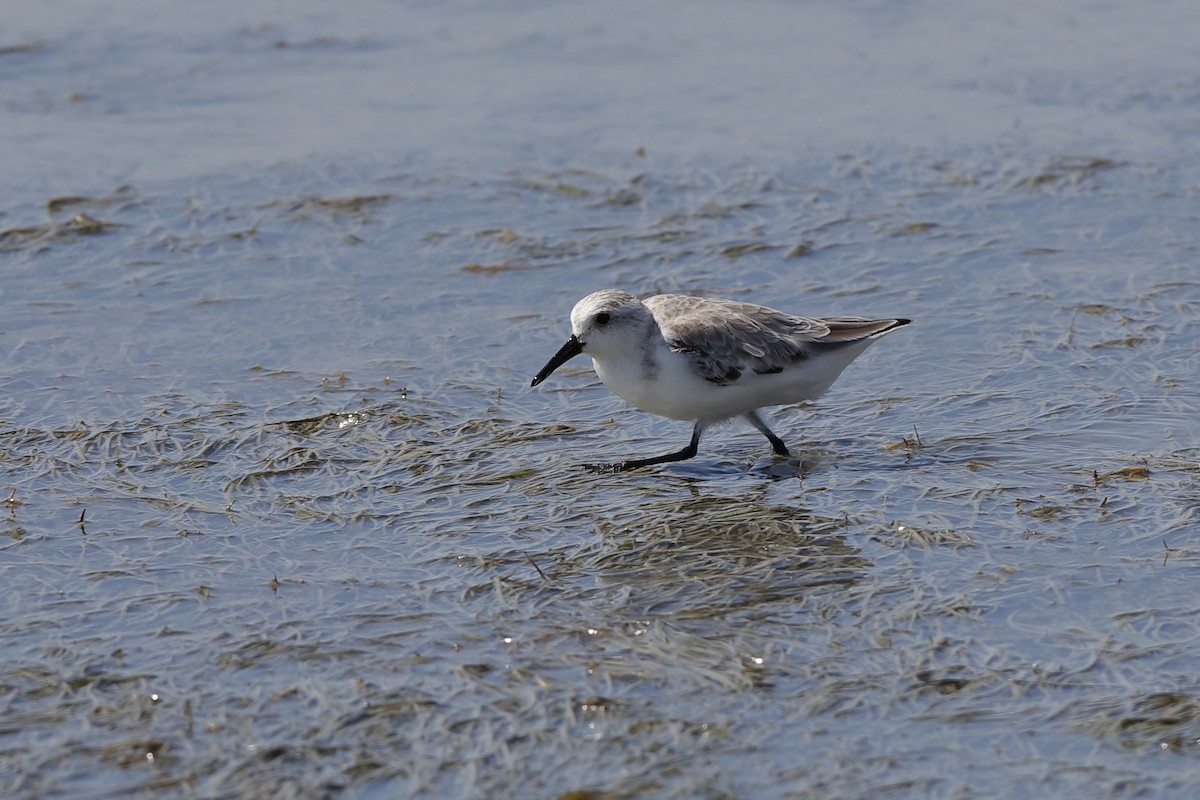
(896, 323)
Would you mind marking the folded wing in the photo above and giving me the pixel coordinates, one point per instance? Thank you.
(726, 338)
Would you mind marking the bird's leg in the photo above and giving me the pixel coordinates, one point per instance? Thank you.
(776, 443)
(635, 463)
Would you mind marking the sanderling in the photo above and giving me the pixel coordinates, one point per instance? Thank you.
(709, 360)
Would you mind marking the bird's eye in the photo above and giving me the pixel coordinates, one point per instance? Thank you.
(602, 318)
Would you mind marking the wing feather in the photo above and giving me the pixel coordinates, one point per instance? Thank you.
(725, 338)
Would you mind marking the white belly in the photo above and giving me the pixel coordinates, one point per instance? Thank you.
(671, 388)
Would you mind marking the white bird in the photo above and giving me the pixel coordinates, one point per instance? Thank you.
(709, 360)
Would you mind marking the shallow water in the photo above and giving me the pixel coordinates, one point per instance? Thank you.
(285, 519)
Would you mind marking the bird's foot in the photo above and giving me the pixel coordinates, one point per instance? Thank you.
(603, 469)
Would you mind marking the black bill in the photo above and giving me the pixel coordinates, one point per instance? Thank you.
(572, 348)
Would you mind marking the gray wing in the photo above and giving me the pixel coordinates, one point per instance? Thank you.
(725, 338)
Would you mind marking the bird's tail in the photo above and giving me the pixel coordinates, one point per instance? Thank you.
(844, 330)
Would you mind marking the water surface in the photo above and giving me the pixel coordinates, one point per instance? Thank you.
(285, 518)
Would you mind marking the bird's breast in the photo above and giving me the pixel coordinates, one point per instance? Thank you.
(664, 383)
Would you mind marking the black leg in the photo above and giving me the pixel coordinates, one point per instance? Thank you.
(680, 455)
(776, 443)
